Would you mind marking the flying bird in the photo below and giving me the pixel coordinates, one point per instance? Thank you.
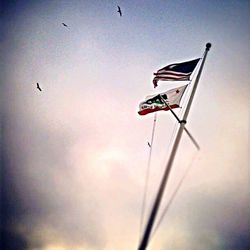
(38, 87)
(65, 25)
(119, 10)
(149, 144)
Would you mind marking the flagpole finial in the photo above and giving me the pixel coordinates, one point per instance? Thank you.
(208, 46)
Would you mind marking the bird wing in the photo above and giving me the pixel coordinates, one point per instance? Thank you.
(38, 87)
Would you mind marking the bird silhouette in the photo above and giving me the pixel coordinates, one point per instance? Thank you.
(149, 145)
(65, 25)
(38, 87)
(119, 10)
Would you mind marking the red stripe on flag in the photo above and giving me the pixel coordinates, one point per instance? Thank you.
(147, 111)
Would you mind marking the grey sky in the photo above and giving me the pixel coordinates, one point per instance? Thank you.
(74, 155)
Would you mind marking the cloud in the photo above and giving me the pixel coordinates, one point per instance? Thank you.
(11, 211)
(74, 156)
(11, 240)
(203, 219)
(45, 200)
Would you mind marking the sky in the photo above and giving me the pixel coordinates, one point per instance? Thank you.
(74, 156)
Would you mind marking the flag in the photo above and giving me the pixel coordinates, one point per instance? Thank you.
(176, 72)
(158, 102)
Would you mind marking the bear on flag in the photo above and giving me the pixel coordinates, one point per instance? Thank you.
(163, 101)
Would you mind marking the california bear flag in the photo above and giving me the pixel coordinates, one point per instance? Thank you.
(158, 102)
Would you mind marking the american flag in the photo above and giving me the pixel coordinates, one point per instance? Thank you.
(175, 72)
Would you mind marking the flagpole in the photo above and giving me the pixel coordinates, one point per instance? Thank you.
(149, 226)
(177, 118)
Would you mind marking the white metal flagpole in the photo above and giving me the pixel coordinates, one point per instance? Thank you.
(149, 226)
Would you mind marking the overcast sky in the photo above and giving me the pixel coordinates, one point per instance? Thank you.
(74, 156)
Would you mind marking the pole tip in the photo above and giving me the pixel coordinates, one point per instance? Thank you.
(208, 46)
